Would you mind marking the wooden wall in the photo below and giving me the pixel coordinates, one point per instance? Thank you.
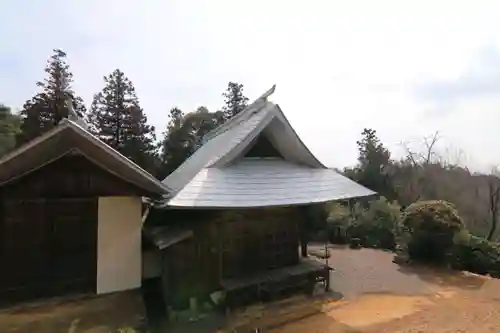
(257, 240)
(48, 226)
(69, 176)
(231, 244)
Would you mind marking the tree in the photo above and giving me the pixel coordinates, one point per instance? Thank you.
(118, 120)
(425, 173)
(184, 134)
(201, 122)
(373, 165)
(46, 109)
(426, 156)
(175, 143)
(9, 127)
(234, 100)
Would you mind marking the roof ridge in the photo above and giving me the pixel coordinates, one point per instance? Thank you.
(237, 119)
(124, 158)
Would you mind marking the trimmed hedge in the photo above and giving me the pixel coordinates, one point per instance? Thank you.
(427, 230)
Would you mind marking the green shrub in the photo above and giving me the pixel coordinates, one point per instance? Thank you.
(477, 255)
(338, 214)
(372, 226)
(427, 230)
(338, 220)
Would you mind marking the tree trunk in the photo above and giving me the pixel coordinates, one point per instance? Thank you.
(303, 247)
(494, 190)
(493, 228)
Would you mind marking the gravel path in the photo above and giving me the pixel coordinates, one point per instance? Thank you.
(358, 272)
(381, 297)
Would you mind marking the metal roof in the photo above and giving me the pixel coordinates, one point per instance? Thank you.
(218, 174)
(259, 182)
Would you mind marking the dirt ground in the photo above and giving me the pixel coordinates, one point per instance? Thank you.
(370, 294)
(381, 297)
(90, 314)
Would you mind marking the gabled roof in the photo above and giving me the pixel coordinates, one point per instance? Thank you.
(68, 137)
(218, 174)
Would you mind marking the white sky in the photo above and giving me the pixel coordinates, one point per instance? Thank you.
(404, 68)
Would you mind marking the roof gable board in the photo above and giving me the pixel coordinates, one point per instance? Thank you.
(282, 136)
(242, 116)
(220, 147)
(262, 120)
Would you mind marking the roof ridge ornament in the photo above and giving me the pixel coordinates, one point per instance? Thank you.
(268, 93)
(73, 116)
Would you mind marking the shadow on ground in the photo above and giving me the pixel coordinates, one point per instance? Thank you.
(273, 315)
(444, 277)
(78, 314)
(263, 317)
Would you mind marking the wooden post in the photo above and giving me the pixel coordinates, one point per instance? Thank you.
(326, 254)
(303, 230)
(327, 277)
(164, 280)
(219, 247)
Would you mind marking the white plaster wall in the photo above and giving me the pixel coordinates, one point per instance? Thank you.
(119, 244)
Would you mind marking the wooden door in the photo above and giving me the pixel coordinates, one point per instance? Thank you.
(73, 243)
(47, 247)
(23, 250)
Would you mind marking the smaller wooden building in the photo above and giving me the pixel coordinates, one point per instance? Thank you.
(70, 217)
(236, 214)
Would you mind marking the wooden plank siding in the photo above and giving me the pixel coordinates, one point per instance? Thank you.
(47, 247)
(262, 147)
(257, 240)
(230, 244)
(69, 176)
(48, 228)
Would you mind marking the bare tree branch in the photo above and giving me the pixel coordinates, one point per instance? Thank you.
(429, 143)
(416, 178)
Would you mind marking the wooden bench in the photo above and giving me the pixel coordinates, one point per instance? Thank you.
(304, 275)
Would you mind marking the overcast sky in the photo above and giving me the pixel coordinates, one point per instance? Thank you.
(404, 68)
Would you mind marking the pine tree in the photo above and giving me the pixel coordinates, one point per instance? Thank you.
(374, 160)
(117, 119)
(234, 100)
(46, 109)
(174, 145)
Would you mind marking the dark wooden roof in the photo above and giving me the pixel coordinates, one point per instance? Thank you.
(163, 237)
(69, 138)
